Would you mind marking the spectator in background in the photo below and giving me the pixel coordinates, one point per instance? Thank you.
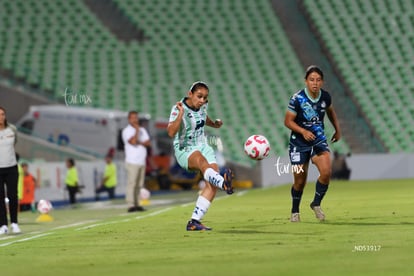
(27, 202)
(20, 181)
(8, 175)
(136, 140)
(340, 169)
(109, 179)
(72, 180)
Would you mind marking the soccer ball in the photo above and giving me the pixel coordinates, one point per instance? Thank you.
(257, 147)
(144, 194)
(44, 206)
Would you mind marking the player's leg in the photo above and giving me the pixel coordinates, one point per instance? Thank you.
(204, 161)
(99, 190)
(132, 174)
(11, 180)
(196, 161)
(299, 182)
(3, 212)
(111, 192)
(11, 185)
(72, 194)
(140, 181)
(300, 163)
(322, 161)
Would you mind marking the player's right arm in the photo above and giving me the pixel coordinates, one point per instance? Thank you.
(292, 125)
(175, 119)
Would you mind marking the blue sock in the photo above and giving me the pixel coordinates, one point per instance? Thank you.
(296, 197)
(320, 191)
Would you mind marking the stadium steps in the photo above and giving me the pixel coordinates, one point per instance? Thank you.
(309, 51)
(115, 20)
(238, 47)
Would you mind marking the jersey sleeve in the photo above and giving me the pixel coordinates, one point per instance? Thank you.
(173, 114)
(293, 104)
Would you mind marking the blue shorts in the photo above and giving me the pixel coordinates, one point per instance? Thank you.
(183, 154)
(302, 155)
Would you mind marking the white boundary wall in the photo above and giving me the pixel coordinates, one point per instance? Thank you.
(51, 177)
(363, 167)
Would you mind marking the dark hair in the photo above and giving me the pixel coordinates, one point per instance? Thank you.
(311, 69)
(132, 112)
(71, 161)
(197, 85)
(5, 120)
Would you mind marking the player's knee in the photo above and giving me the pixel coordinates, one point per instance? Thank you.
(325, 176)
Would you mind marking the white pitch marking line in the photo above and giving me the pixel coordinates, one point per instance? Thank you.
(154, 213)
(26, 239)
(241, 193)
(124, 220)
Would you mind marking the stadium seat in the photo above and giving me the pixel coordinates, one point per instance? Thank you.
(238, 47)
(370, 62)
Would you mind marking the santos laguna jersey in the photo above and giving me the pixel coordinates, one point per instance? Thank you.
(191, 131)
(309, 115)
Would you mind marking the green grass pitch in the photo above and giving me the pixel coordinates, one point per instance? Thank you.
(369, 230)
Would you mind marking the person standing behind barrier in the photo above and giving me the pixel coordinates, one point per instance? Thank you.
(136, 140)
(109, 179)
(72, 180)
(8, 175)
(27, 202)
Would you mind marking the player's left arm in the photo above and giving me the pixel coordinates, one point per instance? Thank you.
(330, 111)
(216, 124)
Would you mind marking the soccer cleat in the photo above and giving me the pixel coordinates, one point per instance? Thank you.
(3, 230)
(194, 225)
(15, 228)
(295, 217)
(318, 212)
(136, 209)
(228, 178)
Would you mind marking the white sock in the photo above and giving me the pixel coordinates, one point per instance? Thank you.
(214, 178)
(201, 208)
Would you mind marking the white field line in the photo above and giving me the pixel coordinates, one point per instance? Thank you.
(242, 193)
(26, 239)
(124, 220)
(46, 233)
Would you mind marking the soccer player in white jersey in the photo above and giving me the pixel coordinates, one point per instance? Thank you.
(186, 124)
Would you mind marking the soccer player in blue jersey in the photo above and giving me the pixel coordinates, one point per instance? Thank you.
(305, 118)
(186, 124)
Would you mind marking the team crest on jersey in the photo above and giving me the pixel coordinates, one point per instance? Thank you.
(323, 104)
